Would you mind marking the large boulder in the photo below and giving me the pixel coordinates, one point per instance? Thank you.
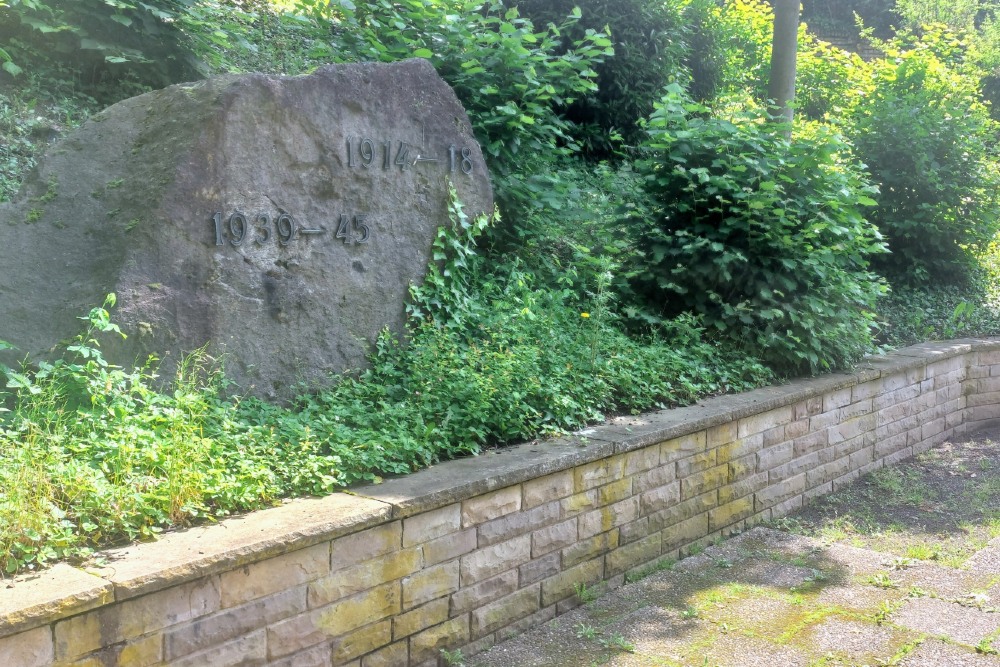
(279, 220)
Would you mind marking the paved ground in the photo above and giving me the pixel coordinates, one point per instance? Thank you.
(902, 568)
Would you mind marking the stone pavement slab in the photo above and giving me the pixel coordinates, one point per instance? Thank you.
(936, 653)
(986, 560)
(769, 598)
(947, 620)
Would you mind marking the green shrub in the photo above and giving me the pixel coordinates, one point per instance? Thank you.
(913, 314)
(582, 218)
(740, 33)
(270, 39)
(650, 40)
(763, 236)
(839, 17)
(730, 54)
(828, 81)
(930, 145)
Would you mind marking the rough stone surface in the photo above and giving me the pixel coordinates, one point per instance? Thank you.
(50, 595)
(939, 618)
(127, 204)
(27, 649)
(151, 566)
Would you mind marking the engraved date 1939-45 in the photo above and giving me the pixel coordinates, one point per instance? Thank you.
(259, 229)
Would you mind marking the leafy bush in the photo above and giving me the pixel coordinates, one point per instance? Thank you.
(582, 224)
(266, 38)
(743, 34)
(912, 314)
(839, 16)
(763, 236)
(730, 57)
(930, 145)
(828, 80)
(961, 15)
(650, 40)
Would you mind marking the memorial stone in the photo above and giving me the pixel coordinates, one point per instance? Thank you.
(279, 220)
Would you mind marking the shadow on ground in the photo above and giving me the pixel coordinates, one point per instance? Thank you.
(900, 568)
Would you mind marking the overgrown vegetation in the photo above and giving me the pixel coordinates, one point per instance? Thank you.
(762, 235)
(929, 142)
(95, 455)
(660, 242)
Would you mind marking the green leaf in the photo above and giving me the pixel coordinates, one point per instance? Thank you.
(423, 53)
(11, 68)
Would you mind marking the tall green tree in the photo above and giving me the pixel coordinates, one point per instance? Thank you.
(784, 46)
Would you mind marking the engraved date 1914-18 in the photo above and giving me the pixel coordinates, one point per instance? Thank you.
(259, 229)
(365, 152)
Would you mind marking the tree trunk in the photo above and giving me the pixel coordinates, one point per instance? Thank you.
(781, 86)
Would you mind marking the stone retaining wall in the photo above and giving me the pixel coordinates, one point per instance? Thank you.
(470, 552)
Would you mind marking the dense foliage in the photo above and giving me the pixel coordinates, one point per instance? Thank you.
(840, 17)
(930, 144)
(148, 43)
(651, 45)
(764, 236)
(510, 76)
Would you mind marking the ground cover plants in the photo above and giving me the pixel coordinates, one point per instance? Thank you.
(648, 253)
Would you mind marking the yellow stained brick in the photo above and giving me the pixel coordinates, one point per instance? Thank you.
(491, 506)
(427, 645)
(420, 618)
(355, 612)
(598, 473)
(362, 641)
(362, 576)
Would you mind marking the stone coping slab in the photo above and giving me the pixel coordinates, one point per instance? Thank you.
(192, 553)
(459, 479)
(55, 593)
(186, 555)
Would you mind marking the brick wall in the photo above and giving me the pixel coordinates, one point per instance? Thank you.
(470, 552)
